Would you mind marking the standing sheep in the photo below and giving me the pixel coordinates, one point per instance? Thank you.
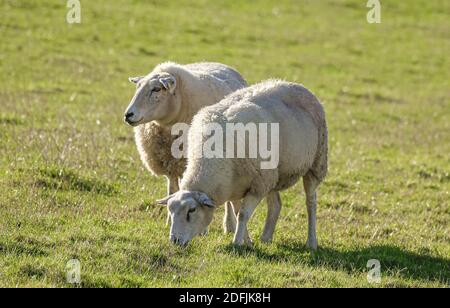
(171, 94)
(211, 181)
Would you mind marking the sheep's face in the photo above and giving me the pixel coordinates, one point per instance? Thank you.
(153, 100)
(191, 213)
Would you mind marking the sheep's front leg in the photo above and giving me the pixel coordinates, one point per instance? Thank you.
(273, 213)
(236, 208)
(245, 213)
(172, 187)
(229, 220)
(310, 184)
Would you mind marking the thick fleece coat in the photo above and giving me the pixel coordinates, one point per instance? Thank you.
(303, 142)
(302, 154)
(198, 85)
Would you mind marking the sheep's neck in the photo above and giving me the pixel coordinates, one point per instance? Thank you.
(184, 114)
(208, 179)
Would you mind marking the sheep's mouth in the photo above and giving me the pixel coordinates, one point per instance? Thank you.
(133, 123)
(178, 242)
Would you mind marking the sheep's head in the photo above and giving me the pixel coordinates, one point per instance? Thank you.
(153, 100)
(191, 213)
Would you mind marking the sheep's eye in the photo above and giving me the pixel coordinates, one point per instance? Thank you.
(153, 91)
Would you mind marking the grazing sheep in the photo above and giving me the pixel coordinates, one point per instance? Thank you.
(171, 94)
(211, 181)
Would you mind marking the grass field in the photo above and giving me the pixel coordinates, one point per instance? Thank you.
(72, 185)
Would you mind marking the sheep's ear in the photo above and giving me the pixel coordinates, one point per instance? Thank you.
(203, 199)
(135, 80)
(164, 201)
(169, 83)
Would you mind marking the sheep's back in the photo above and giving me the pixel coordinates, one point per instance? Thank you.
(221, 78)
(299, 127)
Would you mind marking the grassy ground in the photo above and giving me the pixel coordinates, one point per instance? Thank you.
(72, 185)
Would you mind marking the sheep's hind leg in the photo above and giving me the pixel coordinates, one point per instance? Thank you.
(310, 184)
(245, 213)
(172, 187)
(229, 220)
(273, 213)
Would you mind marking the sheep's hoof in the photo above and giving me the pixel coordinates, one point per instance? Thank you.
(246, 240)
(204, 233)
(238, 243)
(311, 245)
(266, 239)
(242, 243)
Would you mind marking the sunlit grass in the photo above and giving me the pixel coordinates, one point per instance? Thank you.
(72, 184)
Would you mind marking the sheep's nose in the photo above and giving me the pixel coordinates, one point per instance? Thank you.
(129, 117)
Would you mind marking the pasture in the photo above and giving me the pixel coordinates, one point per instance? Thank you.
(72, 185)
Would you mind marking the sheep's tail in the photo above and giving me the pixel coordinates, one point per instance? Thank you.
(320, 165)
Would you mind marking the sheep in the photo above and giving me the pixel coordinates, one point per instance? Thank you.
(208, 182)
(171, 94)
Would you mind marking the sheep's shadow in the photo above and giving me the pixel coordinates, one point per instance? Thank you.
(394, 260)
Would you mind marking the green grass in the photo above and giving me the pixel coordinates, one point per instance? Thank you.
(72, 184)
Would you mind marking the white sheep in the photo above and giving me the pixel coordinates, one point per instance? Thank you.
(211, 181)
(171, 94)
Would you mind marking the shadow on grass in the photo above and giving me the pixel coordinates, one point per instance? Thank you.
(10, 121)
(63, 179)
(17, 248)
(417, 266)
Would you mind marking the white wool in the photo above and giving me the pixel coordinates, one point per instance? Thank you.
(303, 142)
(198, 85)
